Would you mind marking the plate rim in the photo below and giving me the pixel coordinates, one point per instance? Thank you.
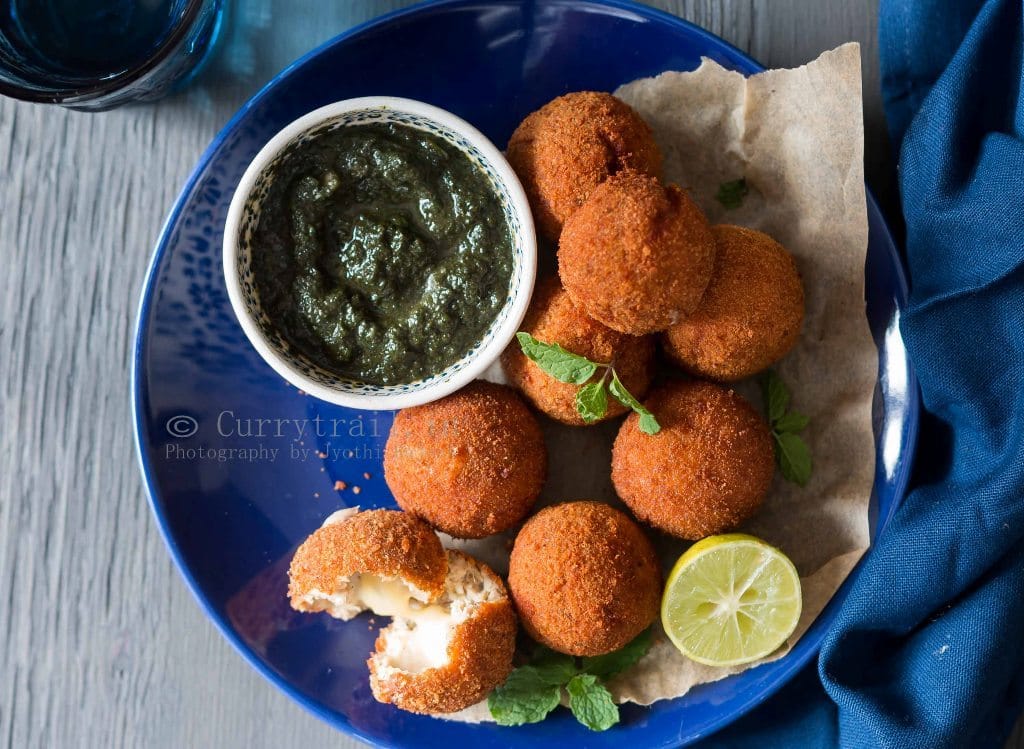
(794, 662)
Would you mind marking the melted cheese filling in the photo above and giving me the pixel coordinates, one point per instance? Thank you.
(419, 636)
(393, 598)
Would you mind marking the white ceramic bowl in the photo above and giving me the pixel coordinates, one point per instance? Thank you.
(243, 217)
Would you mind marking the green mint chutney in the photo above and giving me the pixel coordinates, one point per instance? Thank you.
(381, 252)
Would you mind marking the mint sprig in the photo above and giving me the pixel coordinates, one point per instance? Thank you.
(534, 690)
(791, 452)
(553, 667)
(648, 424)
(592, 401)
(592, 398)
(525, 697)
(563, 365)
(591, 702)
(611, 664)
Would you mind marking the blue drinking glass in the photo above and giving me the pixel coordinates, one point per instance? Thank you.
(98, 54)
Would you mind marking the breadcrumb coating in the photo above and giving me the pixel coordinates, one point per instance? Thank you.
(480, 652)
(637, 256)
(751, 313)
(584, 578)
(471, 464)
(705, 472)
(569, 146)
(554, 318)
(385, 543)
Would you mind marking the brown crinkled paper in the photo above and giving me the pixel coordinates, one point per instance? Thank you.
(796, 136)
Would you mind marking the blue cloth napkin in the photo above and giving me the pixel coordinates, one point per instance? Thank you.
(928, 650)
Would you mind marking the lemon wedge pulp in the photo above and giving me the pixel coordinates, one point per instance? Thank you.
(731, 599)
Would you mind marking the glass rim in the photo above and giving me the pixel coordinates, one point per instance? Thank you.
(109, 85)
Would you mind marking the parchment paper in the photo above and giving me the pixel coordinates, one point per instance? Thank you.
(797, 138)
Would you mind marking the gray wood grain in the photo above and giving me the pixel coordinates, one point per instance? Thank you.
(102, 645)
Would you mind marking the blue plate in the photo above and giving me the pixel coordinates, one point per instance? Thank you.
(240, 466)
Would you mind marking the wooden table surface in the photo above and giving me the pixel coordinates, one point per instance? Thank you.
(102, 644)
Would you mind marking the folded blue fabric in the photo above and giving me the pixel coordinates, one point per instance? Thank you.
(928, 650)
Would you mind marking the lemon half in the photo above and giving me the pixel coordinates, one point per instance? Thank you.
(731, 599)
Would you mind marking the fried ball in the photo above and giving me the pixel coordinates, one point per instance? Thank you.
(750, 315)
(569, 146)
(330, 567)
(456, 652)
(637, 256)
(705, 472)
(584, 578)
(554, 318)
(453, 629)
(471, 464)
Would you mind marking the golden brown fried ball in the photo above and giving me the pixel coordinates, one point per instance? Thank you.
(477, 640)
(383, 543)
(584, 578)
(471, 464)
(554, 318)
(705, 472)
(751, 313)
(637, 256)
(453, 630)
(569, 146)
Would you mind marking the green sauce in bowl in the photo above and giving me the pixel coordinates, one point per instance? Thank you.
(382, 252)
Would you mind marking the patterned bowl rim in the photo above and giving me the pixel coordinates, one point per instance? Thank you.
(520, 286)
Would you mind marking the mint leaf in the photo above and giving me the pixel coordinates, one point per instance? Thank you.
(525, 697)
(533, 691)
(791, 422)
(648, 424)
(610, 664)
(592, 703)
(592, 401)
(563, 365)
(731, 194)
(794, 457)
(791, 453)
(554, 668)
(775, 394)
